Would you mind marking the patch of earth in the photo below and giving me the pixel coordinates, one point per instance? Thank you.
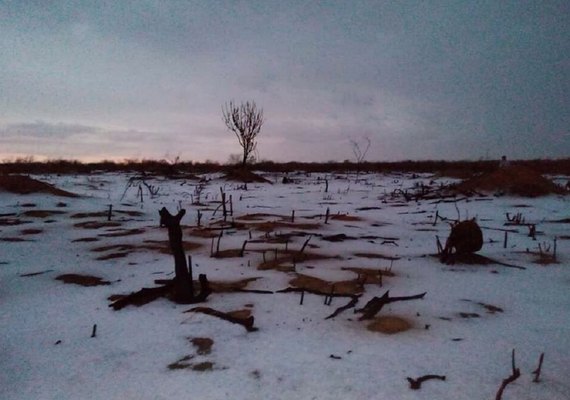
(311, 283)
(42, 213)
(389, 324)
(31, 231)
(376, 256)
(123, 232)
(83, 280)
(22, 184)
(230, 286)
(203, 345)
(97, 224)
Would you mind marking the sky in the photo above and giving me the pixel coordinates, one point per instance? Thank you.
(147, 79)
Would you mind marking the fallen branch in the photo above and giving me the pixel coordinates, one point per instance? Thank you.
(514, 376)
(350, 304)
(374, 306)
(141, 297)
(416, 384)
(247, 323)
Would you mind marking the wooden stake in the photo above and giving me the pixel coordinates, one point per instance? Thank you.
(219, 239)
(327, 216)
(293, 216)
(242, 248)
(94, 332)
(505, 240)
(302, 297)
(110, 212)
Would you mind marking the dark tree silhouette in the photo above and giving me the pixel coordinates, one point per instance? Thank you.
(245, 121)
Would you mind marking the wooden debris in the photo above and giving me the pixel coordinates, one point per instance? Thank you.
(247, 323)
(374, 306)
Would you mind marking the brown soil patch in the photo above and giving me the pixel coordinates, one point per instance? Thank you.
(203, 366)
(14, 239)
(163, 246)
(31, 231)
(203, 345)
(240, 314)
(86, 239)
(271, 226)
(516, 180)
(22, 184)
(369, 275)
(245, 176)
(96, 224)
(123, 232)
(12, 221)
(101, 214)
(230, 286)
(204, 233)
(83, 280)
(286, 259)
(376, 256)
(389, 325)
(42, 213)
(259, 216)
(311, 283)
(345, 217)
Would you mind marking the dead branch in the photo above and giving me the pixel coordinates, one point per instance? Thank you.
(516, 373)
(350, 304)
(416, 384)
(374, 306)
(536, 372)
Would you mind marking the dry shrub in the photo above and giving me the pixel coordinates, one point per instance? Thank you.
(22, 184)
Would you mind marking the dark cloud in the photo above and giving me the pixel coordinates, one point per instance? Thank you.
(485, 76)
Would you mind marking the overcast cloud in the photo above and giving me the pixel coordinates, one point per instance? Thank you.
(147, 79)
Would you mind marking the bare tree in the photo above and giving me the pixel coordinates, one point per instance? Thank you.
(360, 153)
(245, 121)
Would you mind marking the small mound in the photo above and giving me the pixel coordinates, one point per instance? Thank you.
(22, 184)
(245, 176)
(515, 180)
(389, 325)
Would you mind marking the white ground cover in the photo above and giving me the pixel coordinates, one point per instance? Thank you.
(47, 352)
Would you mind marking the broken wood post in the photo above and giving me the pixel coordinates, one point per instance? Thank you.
(231, 206)
(536, 372)
(199, 218)
(110, 213)
(554, 250)
(505, 240)
(326, 185)
(293, 216)
(94, 331)
(350, 304)
(302, 297)
(218, 243)
(190, 275)
(182, 283)
(327, 216)
(224, 210)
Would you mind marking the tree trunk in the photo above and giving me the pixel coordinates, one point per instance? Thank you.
(183, 289)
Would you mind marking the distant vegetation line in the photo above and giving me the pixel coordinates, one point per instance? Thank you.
(162, 167)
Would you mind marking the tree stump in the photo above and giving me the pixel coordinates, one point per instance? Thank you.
(466, 237)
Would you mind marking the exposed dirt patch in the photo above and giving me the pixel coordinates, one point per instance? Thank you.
(376, 256)
(14, 239)
(203, 345)
(42, 213)
(86, 239)
(230, 286)
(311, 283)
(516, 180)
(12, 222)
(123, 232)
(259, 217)
(240, 314)
(341, 237)
(203, 366)
(345, 217)
(96, 224)
(245, 176)
(22, 184)
(285, 260)
(270, 226)
(31, 231)
(163, 246)
(369, 275)
(83, 280)
(389, 324)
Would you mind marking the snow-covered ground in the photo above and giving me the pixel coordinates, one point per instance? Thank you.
(47, 352)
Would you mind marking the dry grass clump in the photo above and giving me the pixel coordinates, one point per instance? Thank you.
(22, 184)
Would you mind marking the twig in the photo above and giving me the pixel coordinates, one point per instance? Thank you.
(350, 304)
(536, 372)
(514, 376)
(416, 384)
